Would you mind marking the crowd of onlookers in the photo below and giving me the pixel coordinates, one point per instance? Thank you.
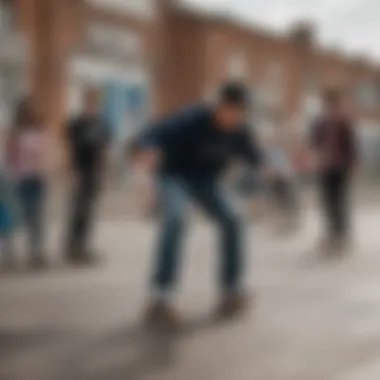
(24, 181)
(328, 151)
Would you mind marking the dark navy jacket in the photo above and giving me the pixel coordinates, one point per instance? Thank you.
(193, 146)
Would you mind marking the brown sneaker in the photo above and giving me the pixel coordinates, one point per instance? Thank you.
(232, 305)
(162, 315)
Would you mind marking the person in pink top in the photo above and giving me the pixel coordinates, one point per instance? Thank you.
(26, 161)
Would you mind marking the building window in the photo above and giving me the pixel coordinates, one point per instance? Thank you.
(274, 84)
(237, 66)
(369, 144)
(367, 95)
(139, 8)
(275, 75)
(113, 40)
(210, 94)
(311, 82)
(6, 15)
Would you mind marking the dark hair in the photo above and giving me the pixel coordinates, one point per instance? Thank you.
(333, 96)
(234, 94)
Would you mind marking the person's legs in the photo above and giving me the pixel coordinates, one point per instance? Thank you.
(172, 198)
(87, 217)
(84, 197)
(7, 254)
(6, 238)
(37, 226)
(335, 203)
(342, 205)
(328, 197)
(77, 201)
(335, 194)
(32, 199)
(8, 219)
(212, 199)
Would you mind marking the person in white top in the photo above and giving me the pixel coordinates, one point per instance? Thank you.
(27, 166)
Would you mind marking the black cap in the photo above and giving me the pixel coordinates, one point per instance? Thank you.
(235, 94)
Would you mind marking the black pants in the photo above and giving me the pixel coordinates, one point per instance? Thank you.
(335, 202)
(84, 198)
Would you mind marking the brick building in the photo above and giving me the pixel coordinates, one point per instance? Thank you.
(157, 55)
(287, 72)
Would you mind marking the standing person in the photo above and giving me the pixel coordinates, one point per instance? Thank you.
(334, 144)
(27, 161)
(188, 151)
(88, 138)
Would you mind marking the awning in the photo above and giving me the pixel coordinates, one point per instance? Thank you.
(96, 69)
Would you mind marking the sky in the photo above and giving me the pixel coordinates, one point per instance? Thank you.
(351, 25)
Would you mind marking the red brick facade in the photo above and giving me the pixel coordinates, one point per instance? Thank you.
(187, 54)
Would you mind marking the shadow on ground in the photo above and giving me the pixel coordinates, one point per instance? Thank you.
(133, 353)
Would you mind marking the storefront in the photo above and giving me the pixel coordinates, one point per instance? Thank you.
(111, 58)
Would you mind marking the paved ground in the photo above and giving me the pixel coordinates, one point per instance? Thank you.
(313, 320)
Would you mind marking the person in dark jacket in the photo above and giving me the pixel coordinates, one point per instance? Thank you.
(188, 152)
(334, 142)
(88, 137)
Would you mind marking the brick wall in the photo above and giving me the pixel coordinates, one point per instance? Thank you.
(187, 53)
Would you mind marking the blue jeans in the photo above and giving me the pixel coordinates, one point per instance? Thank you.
(173, 196)
(32, 193)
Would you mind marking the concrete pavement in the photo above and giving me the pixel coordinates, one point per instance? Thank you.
(312, 320)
